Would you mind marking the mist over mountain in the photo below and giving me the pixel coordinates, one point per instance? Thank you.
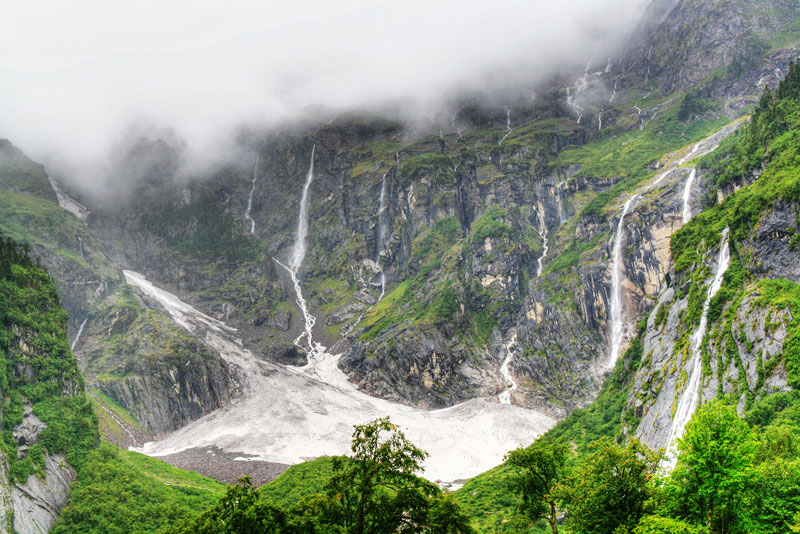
(81, 75)
(275, 241)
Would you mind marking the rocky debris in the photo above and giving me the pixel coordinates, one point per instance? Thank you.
(225, 466)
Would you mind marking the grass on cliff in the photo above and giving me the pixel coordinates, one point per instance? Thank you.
(123, 492)
(487, 497)
(37, 368)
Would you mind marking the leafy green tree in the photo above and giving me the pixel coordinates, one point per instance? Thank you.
(654, 524)
(608, 490)
(238, 512)
(536, 470)
(714, 468)
(376, 490)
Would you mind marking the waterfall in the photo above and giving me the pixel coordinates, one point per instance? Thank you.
(687, 196)
(543, 235)
(600, 121)
(608, 66)
(613, 92)
(572, 101)
(382, 229)
(559, 188)
(287, 415)
(78, 335)
(80, 247)
(505, 370)
(689, 398)
(617, 314)
(299, 248)
(508, 126)
(250, 199)
(315, 350)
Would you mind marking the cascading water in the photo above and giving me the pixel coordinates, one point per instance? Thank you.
(617, 314)
(250, 199)
(600, 121)
(382, 231)
(689, 398)
(613, 92)
(508, 127)
(543, 235)
(687, 196)
(315, 350)
(505, 370)
(78, 335)
(80, 247)
(559, 189)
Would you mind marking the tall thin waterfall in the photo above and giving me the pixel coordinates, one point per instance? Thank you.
(505, 370)
(617, 314)
(559, 189)
(315, 350)
(382, 229)
(543, 235)
(687, 196)
(250, 199)
(78, 335)
(691, 395)
(80, 247)
(508, 127)
(299, 248)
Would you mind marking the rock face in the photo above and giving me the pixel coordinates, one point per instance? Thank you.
(743, 350)
(37, 502)
(173, 378)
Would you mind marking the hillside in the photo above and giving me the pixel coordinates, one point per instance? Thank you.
(588, 260)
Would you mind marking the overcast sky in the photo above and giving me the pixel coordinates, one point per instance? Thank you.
(74, 74)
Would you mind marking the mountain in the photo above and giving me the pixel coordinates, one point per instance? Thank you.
(487, 269)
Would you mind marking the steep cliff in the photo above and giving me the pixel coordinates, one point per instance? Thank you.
(725, 324)
(133, 353)
(48, 424)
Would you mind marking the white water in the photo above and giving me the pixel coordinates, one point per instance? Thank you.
(382, 228)
(80, 247)
(600, 121)
(250, 199)
(78, 335)
(68, 203)
(299, 248)
(572, 101)
(543, 235)
(617, 314)
(608, 66)
(289, 415)
(688, 400)
(508, 127)
(560, 187)
(314, 350)
(613, 92)
(687, 197)
(505, 370)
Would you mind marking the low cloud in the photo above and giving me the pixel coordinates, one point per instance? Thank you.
(76, 75)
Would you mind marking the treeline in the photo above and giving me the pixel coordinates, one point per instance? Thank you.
(376, 490)
(733, 476)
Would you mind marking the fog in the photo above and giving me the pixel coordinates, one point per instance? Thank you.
(75, 76)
